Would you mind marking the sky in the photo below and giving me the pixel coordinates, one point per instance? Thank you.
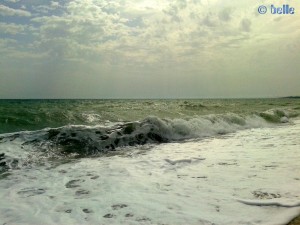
(148, 49)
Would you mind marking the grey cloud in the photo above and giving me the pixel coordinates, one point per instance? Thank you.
(173, 12)
(225, 14)
(182, 4)
(81, 32)
(245, 25)
(194, 15)
(233, 42)
(210, 21)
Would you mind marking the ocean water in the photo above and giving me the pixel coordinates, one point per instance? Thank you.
(150, 161)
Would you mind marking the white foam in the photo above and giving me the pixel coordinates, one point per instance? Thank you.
(271, 202)
(173, 162)
(249, 177)
(91, 117)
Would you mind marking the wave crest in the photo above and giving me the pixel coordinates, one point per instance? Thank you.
(72, 141)
(85, 140)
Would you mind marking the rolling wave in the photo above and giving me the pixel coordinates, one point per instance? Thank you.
(88, 140)
(76, 141)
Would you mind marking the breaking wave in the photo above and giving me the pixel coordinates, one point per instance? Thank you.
(87, 140)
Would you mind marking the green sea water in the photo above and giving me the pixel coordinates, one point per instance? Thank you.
(186, 161)
(23, 115)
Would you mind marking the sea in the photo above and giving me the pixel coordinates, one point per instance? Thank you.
(163, 161)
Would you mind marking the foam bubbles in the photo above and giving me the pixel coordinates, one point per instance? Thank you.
(247, 177)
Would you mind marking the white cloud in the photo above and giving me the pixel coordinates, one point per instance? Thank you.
(55, 4)
(45, 9)
(7, 11)
(11, 28)
(148, 33)
(13, 1)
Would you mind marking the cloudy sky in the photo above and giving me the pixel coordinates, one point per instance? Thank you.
(147, 49)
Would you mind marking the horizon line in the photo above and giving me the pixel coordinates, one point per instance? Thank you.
(167, 98)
